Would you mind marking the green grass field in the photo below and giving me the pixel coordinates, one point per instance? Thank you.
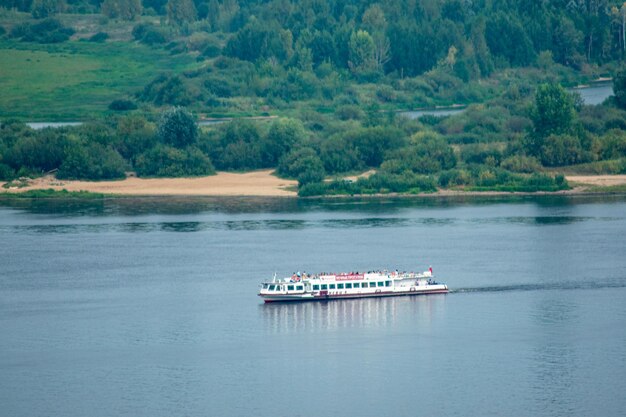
(75, 80)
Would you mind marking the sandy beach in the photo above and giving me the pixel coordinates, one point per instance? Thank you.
(257, 183)
(597, 180)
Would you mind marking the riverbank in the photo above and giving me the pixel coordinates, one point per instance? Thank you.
(256, 183)
(264, 184)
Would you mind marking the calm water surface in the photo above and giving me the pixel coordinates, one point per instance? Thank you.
(149, 308)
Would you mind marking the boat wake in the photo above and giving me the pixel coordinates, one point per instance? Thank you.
(571, 285)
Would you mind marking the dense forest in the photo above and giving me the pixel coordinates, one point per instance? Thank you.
(335, 72)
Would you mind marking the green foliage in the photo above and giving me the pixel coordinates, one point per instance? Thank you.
(92, 162)
(283, 134)
(361, 52)
(339, 155)
(612, 145)
(521, 163)
(99, 37)
(258, 41)
(454, 178)
(122, 105)
(41, 9)
(481, 154)
(235, 146)
(133, 136)
(560, 150)
(302, 164)
(372, 143)
(380, 183)
(166, 161)
(507, 38)
(149, 34)
(553, 114)
(41, 152)
(47, 31)
(6, 172)
(177, 127)
(499, 180)
(181, 11)
(52, 193)
(619, 88)
(121, 9)
(167, 89)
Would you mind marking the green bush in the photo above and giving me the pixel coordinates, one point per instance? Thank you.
(93, 162)
(177, 127)
(166, 161)
(339, 155)
(302, 162)
(520, 163)
(481, 154)
(378, 183)
(47, 31)
(6, 172)
(99, 37)
(167, 89)
(122, 105)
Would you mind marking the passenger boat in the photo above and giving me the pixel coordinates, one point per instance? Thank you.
(330, 286)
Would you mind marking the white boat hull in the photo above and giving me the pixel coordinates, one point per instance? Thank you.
(339, 295)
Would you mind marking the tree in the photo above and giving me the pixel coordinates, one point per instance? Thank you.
(177, 127)
(121, 9)
(93, 162)
(283, 134)
(166, 161)
(553, 114)
(374, 22)
(619, 88)
(256, 40)
(302, 164)
(560, 150)
(181, 11)
(362, 53)
(41, 9)
(339, 155)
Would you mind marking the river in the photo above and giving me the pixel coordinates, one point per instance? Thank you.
(591, 95)
(148, 307)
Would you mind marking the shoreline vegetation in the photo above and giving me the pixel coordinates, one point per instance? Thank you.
(260, 184)
(214, 98)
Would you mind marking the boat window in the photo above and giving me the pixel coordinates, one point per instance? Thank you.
(387, 283)
(372, 284)
(272, 287)
(381, 284)
(299, 287)
(289, 287)
(340, 286)
(331, 286)
(348, 285)
(316, 287)
(324, 286)
(357, 285)
(265, 286)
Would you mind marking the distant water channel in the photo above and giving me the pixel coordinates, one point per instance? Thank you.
(592, 95)
(595, 94)
(145, 307)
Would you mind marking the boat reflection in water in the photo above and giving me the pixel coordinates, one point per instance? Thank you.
(368, 313)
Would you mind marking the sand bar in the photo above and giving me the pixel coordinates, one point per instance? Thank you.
(257, 183)
(254, 184)
(597, 180)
